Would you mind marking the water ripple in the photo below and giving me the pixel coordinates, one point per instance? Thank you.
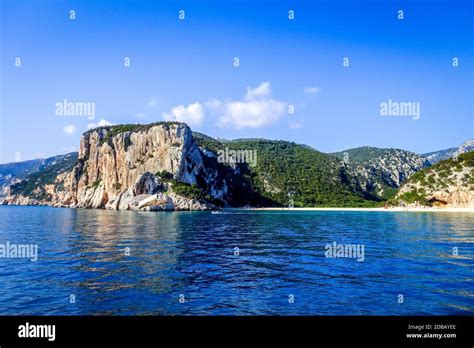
(137, 263)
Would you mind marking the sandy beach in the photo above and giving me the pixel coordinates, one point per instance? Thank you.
(392, 209)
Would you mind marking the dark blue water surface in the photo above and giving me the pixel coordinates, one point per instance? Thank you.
(82, 253)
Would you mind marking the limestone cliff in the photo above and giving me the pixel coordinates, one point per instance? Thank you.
(382, 171)
(119, 167)
(164, 166)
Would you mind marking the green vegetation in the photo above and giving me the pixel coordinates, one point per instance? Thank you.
(420, 176)
(33, 185)
(164, 175)
(437, 177)
(112, 131)
(375, 166)
(193, 192)
(415, 196)
(361, 155)
(132, 127)
(286, 170)
(187, 190)
(96, 183)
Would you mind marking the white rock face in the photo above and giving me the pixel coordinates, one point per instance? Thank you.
(120, 168)
(117, 171)
(125, 200)
(391, 169)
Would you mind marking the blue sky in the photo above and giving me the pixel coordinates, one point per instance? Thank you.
(183, 69)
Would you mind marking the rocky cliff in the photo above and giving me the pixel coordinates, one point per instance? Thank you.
(164, 166)
(449, 183)
(133, 167)
(382, 171)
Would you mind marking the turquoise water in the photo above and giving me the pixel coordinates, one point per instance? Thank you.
(279, 267)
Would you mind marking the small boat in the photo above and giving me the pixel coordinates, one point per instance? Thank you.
(216, 212)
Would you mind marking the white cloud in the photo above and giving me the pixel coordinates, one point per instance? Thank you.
(213, 104)
(101, 123)
(257, 109)
(193, 114)
(312, 90)
(251, 114)
(295, 125)
(70, 130)
(261, 91)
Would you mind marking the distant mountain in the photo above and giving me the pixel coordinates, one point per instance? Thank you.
(35, 183)
(166, 166)
(447, 183)
(382, 171)
(436, 156)
(11, 173)
(284, 171)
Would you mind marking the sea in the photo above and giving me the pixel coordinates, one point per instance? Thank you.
(236, 262)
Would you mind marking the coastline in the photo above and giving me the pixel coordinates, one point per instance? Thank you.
(391, 209)
(347, 209)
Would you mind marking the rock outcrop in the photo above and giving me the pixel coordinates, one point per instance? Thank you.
(382, 171)
(449, 183)
(164, 166)
(119, 167)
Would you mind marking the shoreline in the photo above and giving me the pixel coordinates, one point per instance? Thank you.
(392, 209)
(347, 209)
